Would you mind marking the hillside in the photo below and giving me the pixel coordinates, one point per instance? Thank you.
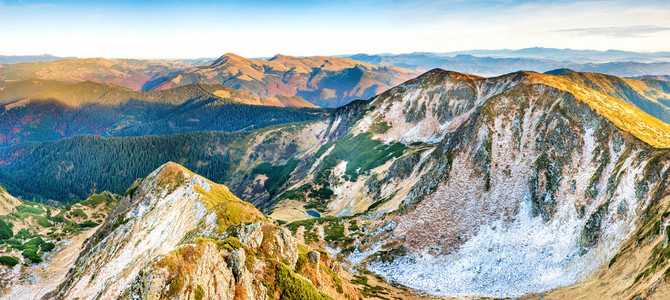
(520, 176)
(38, 110)
(175, 234)
(323, 81)
(41, 242)
(90, 92)
(21, 90)
(129, 73)
(651, 96)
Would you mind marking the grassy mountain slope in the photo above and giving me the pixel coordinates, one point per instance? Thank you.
(651, 96)
(324, 81)
(47, 110)
(625, 116)
(21, 90)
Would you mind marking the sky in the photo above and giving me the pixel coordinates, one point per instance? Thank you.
(195, 29)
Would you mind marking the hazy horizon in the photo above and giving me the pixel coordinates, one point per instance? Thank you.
(325, 55)
(206, 29)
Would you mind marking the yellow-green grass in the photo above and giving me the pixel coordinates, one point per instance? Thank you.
(625, 116)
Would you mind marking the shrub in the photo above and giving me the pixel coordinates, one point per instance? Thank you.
(58, 219)
(42, 221)
(311, 237)
(96, 199)
(46, 247)
(277, 175)
(35, 241)
(31, 254)
(23, 234)
(13, 241)
(88, 224)
(5, 230)
(176, 285)
(9, 261)
(71, 227)
(78, 213)
(199, 293)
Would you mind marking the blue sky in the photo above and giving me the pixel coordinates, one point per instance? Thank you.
(183, 29)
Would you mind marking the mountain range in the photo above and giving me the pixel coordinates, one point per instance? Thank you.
(323, 81)
(541, 185)
(498, 65)
(574, 55)
(8, 59)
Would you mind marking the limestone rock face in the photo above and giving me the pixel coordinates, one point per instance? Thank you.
(211, 278)
(145, 248)
(315, 256)
(151, 222)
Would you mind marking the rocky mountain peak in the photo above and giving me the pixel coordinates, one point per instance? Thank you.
(228, 58)
(158, 213)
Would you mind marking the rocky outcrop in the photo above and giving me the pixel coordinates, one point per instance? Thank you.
(176, 235)
(210, 278)
(157, 215)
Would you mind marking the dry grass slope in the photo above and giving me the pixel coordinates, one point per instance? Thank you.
(625, 116)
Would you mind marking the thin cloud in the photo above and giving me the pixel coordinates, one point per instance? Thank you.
(622, 31)
(42, 5)
(93, 17)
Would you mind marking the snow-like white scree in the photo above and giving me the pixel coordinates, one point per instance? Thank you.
(528, 255)
(502, 260)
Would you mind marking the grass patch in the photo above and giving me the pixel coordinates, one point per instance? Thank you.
(337, 281)
(30, 209)
(293, 287)
(97, 199)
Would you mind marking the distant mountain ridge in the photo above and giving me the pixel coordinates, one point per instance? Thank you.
(129, 73)
(331, 81)
(323, 81)
(498, 65)
(574, 55)
(657, 77)
(8, 59)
